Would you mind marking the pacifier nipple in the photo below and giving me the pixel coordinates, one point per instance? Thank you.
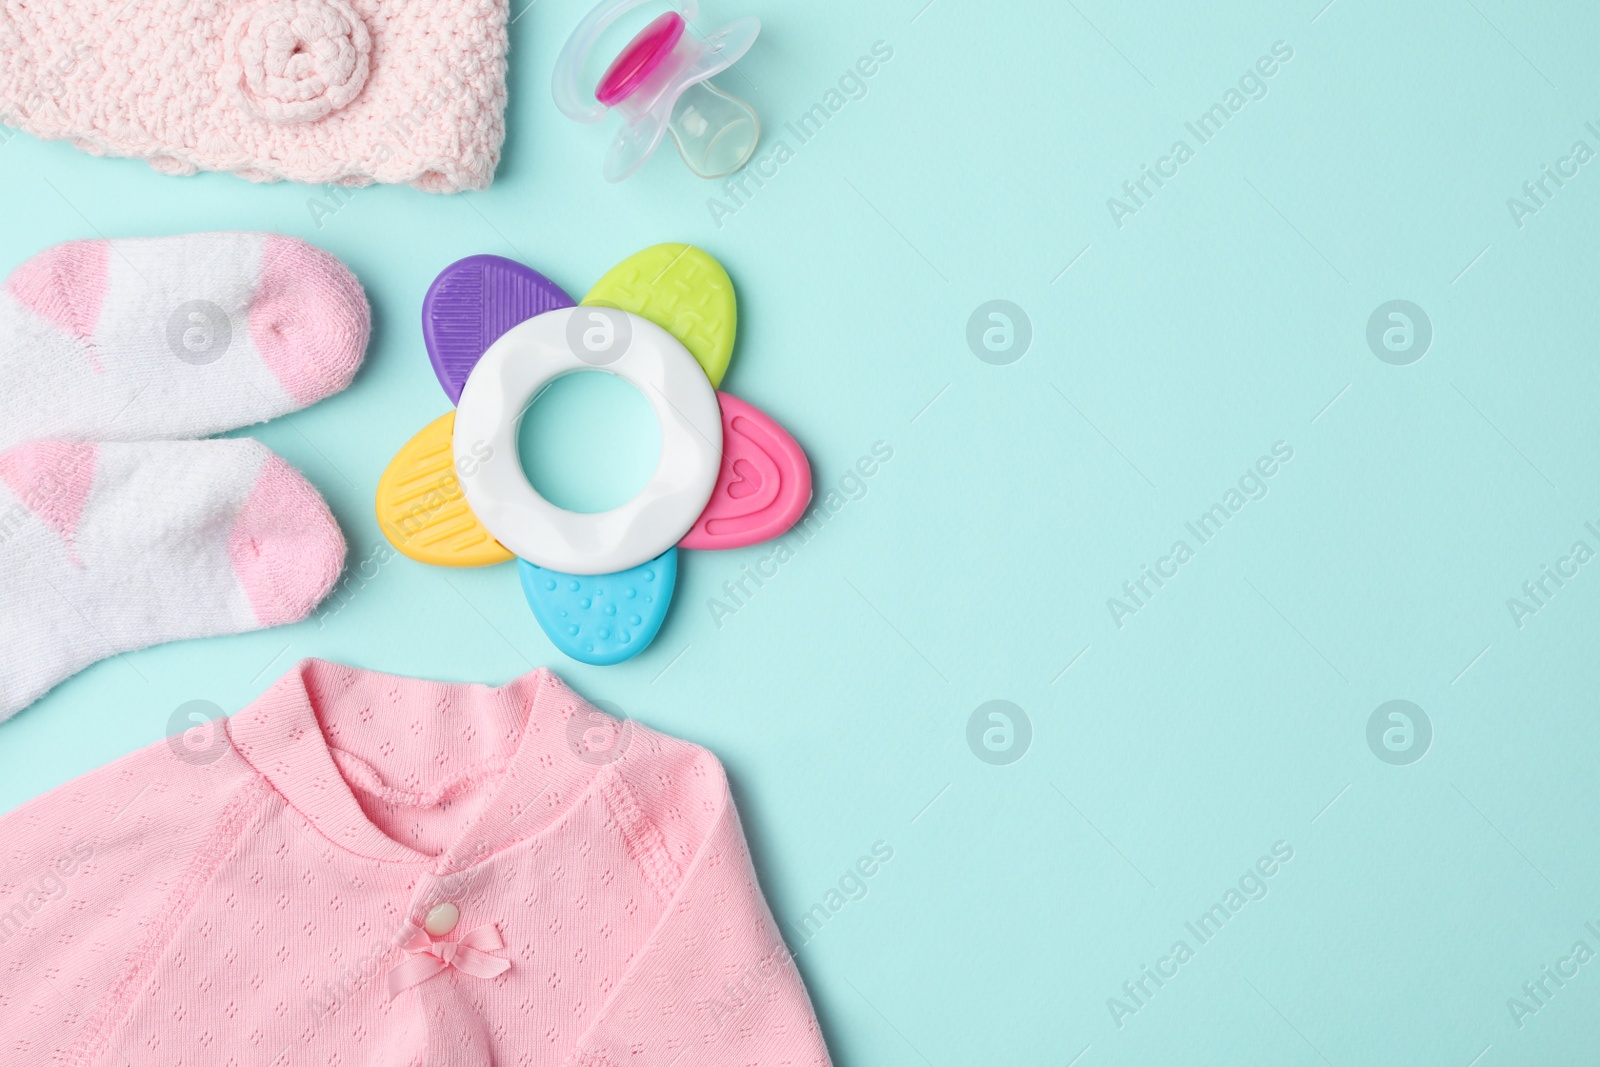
(716, 132)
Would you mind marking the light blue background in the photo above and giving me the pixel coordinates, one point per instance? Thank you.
(1168, 354)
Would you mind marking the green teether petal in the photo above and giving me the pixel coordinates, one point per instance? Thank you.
(682, 290)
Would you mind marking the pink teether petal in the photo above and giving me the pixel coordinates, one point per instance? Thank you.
(763, 487)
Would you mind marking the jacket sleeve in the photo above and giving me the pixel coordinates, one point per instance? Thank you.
(714, 985)
(91, 875)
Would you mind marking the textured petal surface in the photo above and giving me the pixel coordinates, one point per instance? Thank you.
(422, 510)
(763, 487)
(471, 303)
(682, 290)
(602, 619)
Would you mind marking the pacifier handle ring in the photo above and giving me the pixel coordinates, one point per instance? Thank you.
(573, 101)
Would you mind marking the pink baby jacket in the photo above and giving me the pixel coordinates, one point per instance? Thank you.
(360, 870)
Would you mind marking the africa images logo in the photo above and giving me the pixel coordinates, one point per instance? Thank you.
(1252, 85)
(1252, 484)
(1251, 886)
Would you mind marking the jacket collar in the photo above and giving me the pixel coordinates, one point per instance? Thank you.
(323, 727)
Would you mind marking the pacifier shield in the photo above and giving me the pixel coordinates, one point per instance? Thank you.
(602, 619)
(635, 63)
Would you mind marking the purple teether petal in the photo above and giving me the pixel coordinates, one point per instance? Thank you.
(471, 303)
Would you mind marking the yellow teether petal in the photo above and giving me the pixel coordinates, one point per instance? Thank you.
(421, 509)
(682, 290)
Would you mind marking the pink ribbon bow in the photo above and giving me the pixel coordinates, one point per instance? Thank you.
(471, 955)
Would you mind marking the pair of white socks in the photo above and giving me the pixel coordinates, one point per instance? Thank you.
(119, 529)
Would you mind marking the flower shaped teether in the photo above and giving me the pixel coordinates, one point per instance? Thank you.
(498, 333)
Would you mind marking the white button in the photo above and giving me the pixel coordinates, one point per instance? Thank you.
(442, 919)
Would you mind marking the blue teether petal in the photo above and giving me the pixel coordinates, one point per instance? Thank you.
(602, 618)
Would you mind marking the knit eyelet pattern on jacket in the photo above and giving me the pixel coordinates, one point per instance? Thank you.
(347, 92)
(251, 893)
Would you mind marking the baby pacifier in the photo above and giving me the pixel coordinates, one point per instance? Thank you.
(661, 82)
(498, 333)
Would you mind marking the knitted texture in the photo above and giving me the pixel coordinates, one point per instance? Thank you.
(114, 547)
(109, 545)
(343, 91)
(243, 898)
(173, 337)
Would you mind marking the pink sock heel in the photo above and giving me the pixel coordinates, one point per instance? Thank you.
(52, 479)
(65, 285)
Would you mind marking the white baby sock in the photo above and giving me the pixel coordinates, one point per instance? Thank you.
(113, 547)
(173, 337)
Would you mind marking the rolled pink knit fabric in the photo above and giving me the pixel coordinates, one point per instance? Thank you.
(369, 871)
(338, 91)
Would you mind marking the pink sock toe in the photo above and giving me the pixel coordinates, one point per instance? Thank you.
(309, 319)
(65, 284)
(286, 547)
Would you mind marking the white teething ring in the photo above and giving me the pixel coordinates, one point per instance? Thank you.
(513, 371)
